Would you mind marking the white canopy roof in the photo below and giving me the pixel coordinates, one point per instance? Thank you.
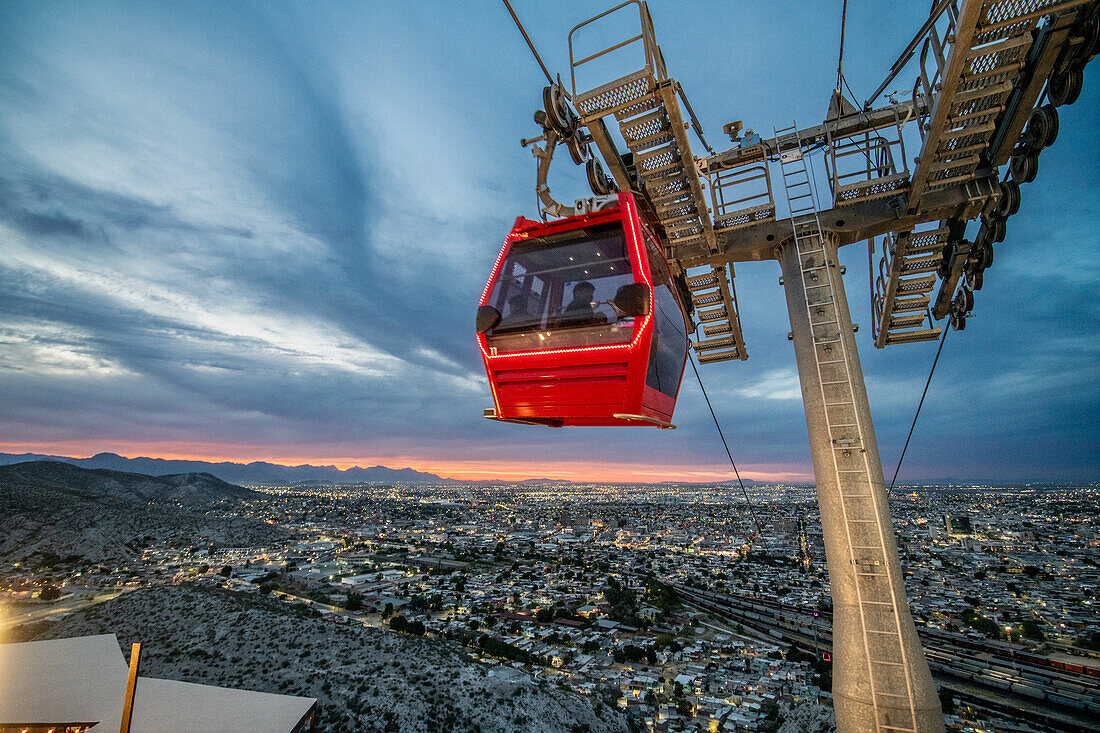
(83, 680)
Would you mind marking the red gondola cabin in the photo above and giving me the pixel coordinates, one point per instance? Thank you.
(580, 323)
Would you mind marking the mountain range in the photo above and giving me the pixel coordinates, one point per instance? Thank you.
(257, 472)
(263, 473)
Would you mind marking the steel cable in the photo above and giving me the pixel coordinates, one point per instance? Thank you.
(744, 491)
(946, 328)
(840, 62)
(529, 44)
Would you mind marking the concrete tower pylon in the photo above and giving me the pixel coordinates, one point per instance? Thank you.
(881, 680)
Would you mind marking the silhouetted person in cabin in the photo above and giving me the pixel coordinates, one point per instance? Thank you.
(518, 315)
(579, 311)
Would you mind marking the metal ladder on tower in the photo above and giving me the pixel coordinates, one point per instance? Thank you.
(887, 669)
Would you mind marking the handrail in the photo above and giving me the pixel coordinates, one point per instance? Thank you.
(871, 283)
(726, 179)
(856, 159)
(876, 151)
(920, 123)
(658, 55)
(926, 86)
(654, 62)
(694, 120)
(616, 47)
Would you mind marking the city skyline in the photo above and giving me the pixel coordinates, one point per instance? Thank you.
(580, 472)
(484, 470)
(671, 606)
(260, 233)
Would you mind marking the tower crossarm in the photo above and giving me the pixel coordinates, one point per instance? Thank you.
(856, 222)
(843, 127)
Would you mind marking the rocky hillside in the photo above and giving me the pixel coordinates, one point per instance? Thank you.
(104, 515)
(193, 490)
(364, 679)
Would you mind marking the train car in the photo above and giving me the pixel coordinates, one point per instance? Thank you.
(581, 323)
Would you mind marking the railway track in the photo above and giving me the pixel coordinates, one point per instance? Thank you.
(963, 665)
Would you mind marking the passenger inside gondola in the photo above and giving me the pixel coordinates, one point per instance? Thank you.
(519, 316)
(557, 292)
(580, 323)
(580, 310)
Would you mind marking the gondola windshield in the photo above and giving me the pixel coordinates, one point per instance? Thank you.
(559, 291)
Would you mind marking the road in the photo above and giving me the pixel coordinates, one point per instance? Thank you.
(12, 615)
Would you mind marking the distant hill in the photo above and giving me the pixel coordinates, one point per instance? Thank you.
(364, 679)
(57, 509)
(274, 474)
(193, 490)
(257, 472)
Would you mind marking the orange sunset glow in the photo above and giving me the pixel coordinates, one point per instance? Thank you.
(462, 470)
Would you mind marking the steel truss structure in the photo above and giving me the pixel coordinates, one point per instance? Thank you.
(990, 75)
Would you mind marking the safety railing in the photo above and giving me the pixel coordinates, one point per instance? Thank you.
(654, 61)
(741, 197)
(863, 167)
(900, 299)
(929, 79)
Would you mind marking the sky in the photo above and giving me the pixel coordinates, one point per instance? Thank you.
(259, 232)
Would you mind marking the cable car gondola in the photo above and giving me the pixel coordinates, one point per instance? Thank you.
(581, 323)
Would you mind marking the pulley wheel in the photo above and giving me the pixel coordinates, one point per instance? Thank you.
(975, 280)
(598, 181)
(961, 304)
(1065, 88)
(985, 257)
(1091, 42)
(557, 109)
(985, 236)
(964, 300)
(577, 150)
(1010, 198)
(997, 228)
(1042, 127)
(1024, 168)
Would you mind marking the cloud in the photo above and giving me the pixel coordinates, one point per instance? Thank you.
(267, 226)
(779, 384)
(178, 235)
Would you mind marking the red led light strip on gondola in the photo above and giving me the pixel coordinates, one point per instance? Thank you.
(628, 206)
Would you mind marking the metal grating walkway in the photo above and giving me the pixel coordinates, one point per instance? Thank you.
(645, 105)
(969, 75)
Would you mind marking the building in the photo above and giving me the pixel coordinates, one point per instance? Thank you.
(956, 525)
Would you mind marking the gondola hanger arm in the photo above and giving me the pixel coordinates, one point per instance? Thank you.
(544, 155)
